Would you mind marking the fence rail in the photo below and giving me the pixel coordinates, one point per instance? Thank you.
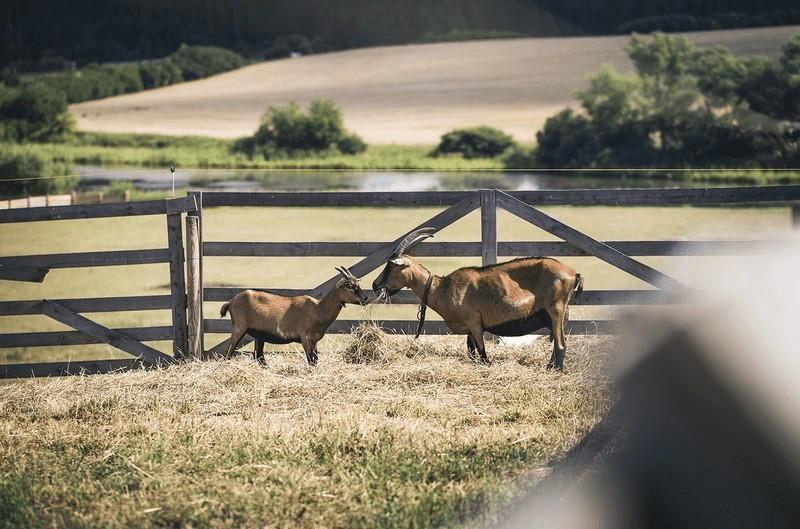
(37, 201)
(185, 256)
(71, 312)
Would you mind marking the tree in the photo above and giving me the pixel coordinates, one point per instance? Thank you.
(33, 112)
(684, 106)
(474, 142)
(287, 131)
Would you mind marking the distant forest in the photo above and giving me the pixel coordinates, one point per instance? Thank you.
(51, 34)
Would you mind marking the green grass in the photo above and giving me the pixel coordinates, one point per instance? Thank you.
(150, 150)
(147, 150)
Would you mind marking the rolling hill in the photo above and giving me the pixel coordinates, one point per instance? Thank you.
(400, 94)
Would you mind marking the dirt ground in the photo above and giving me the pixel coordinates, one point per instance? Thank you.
(408, 94)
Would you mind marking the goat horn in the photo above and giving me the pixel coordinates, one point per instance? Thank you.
(413, 238)
(347, 274)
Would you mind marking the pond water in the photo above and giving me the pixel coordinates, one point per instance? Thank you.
(333, 180)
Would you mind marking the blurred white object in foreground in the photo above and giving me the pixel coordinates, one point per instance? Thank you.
(706, 432)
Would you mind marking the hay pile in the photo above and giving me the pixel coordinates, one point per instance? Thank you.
(370, 345)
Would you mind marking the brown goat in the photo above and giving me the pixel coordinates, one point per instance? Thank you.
(278, 319)
(507, 299)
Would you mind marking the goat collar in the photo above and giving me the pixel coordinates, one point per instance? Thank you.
(424, 305)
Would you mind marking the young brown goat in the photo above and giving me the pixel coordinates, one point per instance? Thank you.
(280, 319)
(507, 299)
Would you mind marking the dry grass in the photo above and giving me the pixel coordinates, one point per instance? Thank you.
(400, 94)
(414, 435)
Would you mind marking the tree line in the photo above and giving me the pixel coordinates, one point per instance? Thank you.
(49, 34)
(684, 106)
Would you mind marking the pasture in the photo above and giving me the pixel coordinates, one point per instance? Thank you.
(385, 432)
(417, 438)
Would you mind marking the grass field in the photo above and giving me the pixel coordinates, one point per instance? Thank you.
(406, 95)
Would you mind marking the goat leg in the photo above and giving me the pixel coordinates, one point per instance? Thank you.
(559, 342)
(258, 351)
(310, 347)
(477, 344)
(312, 357)
(472, 349)
(236, 336)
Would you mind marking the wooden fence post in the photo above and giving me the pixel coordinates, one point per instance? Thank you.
(177, 283)
(198, 214)
(194, 288)
(488, 226)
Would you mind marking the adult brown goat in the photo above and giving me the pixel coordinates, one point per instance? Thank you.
(278, 319)
(507, 299)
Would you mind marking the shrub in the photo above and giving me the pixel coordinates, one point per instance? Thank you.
(520, 157)
(196, 62)
(287, 131)
(33, 112)
(23, 172)
(475, 142)
(159, 73)
(99, 81)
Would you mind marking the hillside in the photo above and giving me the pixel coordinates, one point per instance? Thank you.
(400, 94)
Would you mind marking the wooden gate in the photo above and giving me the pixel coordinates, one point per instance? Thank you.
(70, 311)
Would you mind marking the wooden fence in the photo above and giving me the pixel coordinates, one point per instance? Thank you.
(68, 311)
(457, 204)
(188, 293)
(38, 201)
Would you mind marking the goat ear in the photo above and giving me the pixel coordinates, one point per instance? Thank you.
(398, 261)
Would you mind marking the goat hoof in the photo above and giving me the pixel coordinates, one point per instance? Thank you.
(551, 365)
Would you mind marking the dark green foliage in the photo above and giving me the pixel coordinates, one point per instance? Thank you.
(37, 34)
(287, 131)
(23, 172)
(474, 142)
(9, 77)
(96, 82)
(197, 62)
(159, 73)
(685, 107)
(33, 112)
(99, 81)
(17, 502)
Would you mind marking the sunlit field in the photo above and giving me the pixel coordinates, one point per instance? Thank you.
(405, 95)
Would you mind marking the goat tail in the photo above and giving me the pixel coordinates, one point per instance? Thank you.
(224, 310)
